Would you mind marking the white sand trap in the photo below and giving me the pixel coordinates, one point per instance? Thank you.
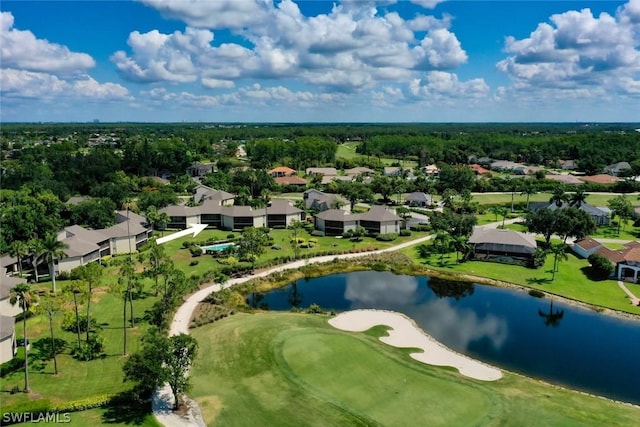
(406, 333)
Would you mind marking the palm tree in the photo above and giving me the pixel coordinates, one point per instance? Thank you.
(53, 249)
(23, 295)
(128, 274)
(50, 306)
(92, 275)
(559, 252)
(494, 210)
(559, 196)
(423, 250)
(122, 288)
(442, 241)
(152, 217)
(503, 211)
(129, 204)
(162, 222)
(37, 249)
(75, 289)
(528, 191)
(578, 198)
(19, 250)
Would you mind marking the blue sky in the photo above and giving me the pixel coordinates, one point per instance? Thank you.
(318, 61)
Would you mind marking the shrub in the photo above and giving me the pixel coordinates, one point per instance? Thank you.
(536, 293)
(276, 247)
(404, 232)
(194, 263)
(312, 240)
(601, 267)
(317, 233)
(11, 366)
(89, 350)
(389, 237)
(69, 322)
(187, 244)
(231, 236)
(195, 251)
(314, 309)
(420, 227)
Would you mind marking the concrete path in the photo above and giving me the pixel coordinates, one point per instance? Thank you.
(634, 300)
(162, 400)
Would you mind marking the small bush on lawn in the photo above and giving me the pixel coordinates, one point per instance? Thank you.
(420, 227)
(231, 236)
(69, 322)
(89, 350)
(389, 237)
(194, 263)
(405, 232)
(317, 233)
(195, 251)
(187, 244)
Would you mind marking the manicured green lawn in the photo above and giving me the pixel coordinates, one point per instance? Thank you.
(571, 280)
(78, 380)
(290, 369)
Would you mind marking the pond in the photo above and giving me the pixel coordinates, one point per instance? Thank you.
(550, 340)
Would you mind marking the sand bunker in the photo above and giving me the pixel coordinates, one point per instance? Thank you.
(406, 333)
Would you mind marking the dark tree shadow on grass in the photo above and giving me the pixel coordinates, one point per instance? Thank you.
(126, 408)
(593, 275)
(539, 280)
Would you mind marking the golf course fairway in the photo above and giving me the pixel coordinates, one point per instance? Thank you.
(289, 369)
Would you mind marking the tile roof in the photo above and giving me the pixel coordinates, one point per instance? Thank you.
(282, 169)
(567, 179)
(282, 207)
(321, 171)
(600, 179)
(290, 180)
(587, 243)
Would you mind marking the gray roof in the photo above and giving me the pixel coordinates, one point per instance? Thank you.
(74, 200)
(618, 167)
(7, 283)
(282, 207)
(238, 211)
(502, 237)
(418, 196)
(121, 230)
(210, 207)
(337, 215)
(321, 171)
(79, 247)
(379, 213)
(358, 170)
(591, 210)
(7, 327)
(7, 260)
(180, 210)
(87, 235)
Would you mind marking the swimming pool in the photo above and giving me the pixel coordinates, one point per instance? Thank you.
(217, 248)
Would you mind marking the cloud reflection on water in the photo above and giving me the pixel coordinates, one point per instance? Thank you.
(440, 317)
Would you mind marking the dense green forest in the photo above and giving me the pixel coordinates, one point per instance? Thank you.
(44, 164)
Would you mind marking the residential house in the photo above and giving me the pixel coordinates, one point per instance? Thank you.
(502, 245)
(585, 247)
(567, 165)
(198, 169)
(359, 171)
(128, 234)
(291, 180)
(392, 171)
(617, 169)
(479, 170)
(431, 170)
(565, 179)
(182, 216)
(8, 345)
(327, 179)
(380, 219)
(239, 217)
(334, 222)
(418, 198)
(316, 199)
(626, 261)
(600, 215)
(83, 246)
(281, 171)
(281, 213)
(203, 192)
(321, 172)
(599, 179)
(505, 165)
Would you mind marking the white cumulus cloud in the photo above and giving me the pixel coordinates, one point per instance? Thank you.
(578, 53)
(22, 50)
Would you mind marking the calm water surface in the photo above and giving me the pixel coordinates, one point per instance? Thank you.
(560, 343)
